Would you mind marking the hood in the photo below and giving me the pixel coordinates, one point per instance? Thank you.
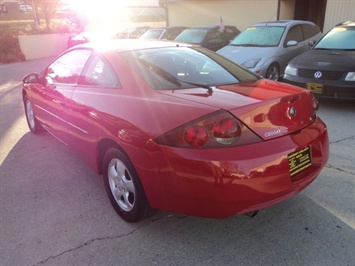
(240, 54)
(339, 60)
(271, 109)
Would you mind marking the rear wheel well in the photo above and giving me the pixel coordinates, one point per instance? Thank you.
(102, 148)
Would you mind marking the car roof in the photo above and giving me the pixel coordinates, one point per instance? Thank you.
(210, 26)
(346, 24)
(283, 23)
(138, 27)
(169, 27)
(124, 45)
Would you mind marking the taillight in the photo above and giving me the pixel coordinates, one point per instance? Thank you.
(196, 136)
(217, 130)
(315, 105)
(227, 131)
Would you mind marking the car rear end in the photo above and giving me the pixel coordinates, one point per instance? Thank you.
(237, 160)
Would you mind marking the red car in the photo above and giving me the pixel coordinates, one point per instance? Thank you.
(178, 127)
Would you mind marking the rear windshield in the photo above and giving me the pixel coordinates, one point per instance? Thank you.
(259, 36)
(185, 67)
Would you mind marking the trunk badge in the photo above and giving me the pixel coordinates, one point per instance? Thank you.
(292, 112)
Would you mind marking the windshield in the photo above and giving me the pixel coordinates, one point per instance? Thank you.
(194, 36)
(184, 67)
(338, 39)
(152, 34)
(259, 36)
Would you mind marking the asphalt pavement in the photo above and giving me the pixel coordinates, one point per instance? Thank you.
(54, 209)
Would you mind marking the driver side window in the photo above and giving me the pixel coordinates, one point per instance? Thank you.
(67, 68)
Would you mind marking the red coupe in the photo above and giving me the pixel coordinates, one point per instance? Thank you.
(178, 127)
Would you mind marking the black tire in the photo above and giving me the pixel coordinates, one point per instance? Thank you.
(124, 188)
(273, 72)
(32, 121)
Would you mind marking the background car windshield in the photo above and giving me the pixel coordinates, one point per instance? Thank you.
(259, 36)
(151, 34)
(338, 39)
(183, 67)
(192, 36)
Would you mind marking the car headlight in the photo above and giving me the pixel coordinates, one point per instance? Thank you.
(292, 71)
(350, 76)
(251, 63)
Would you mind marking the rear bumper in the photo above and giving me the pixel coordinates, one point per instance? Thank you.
(221, 183)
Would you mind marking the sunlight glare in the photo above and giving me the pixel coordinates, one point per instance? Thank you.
(107, 16)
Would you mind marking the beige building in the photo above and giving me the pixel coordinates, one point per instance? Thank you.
(243, 13)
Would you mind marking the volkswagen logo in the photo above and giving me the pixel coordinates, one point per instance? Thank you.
(292, 112)
(318, 75)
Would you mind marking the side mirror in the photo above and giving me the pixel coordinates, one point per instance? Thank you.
(312, 43)
(291, 43)
(31, 78)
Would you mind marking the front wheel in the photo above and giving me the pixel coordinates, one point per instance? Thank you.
(123, 187)
(32, 121)
(273, 72)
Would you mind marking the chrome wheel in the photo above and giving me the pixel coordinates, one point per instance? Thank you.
(121, 185)
(32, 122)
(29, 115)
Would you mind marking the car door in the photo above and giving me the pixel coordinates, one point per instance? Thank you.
(50, 100)
(97, 84)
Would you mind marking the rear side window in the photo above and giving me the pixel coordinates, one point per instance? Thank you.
(294, 34)
(99, 73)
(67, 68)
(309, 31)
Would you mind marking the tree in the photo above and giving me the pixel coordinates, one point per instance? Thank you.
(48, 7)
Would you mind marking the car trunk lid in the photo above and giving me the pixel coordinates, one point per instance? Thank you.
(271, 109)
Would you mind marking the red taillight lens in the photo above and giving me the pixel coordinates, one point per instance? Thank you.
(217, 130)
(315, 104)
(196, 136)
(227, 131)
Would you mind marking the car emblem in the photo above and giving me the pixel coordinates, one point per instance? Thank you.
(318, 75)
(292, 112)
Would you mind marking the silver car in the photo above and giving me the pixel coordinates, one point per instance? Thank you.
(266, 48)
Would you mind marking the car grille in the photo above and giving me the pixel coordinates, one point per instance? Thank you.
(326, 75)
